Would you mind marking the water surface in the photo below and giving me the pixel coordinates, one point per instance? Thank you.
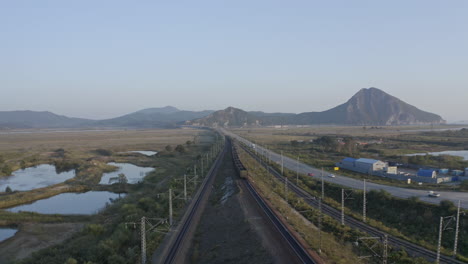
(69, 203)
(133, 173)
(6, 233)
(34, 177)
(459, 153)
(144, 152)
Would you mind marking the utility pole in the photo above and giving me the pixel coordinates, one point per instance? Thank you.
(286, 188)
(440, 240)
(185, 187)
(269, 156)
(342, 206)
(320, 225)
(456, 231)
(282, 163)
(385, 250)
(364, 204)
(297, 171)
(195, 177)
(201, 166)
(143, 240)
(344, 196)
(323, 186)
(170, 207)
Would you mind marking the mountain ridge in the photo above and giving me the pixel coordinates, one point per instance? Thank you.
(369, 106)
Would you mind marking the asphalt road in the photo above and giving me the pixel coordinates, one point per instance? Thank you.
(356, 184)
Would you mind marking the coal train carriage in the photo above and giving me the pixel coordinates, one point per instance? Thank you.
(240, 168)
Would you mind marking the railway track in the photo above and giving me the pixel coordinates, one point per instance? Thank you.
(411, 248)
(293, 243)
(296, 247)
(187, 221)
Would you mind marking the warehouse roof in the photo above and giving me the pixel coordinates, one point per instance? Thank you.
(369, 161)
(349, 160)
(426, 173)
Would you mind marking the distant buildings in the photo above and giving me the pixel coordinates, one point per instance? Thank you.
(370, 164)
(427, 173)
(382, 169)
(362, 165)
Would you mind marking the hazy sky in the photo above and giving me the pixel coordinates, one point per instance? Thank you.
(101, 59)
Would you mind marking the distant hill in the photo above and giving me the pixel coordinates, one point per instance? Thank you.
(34, 119)
(160, 110)
(153, 117)
(370, 106)
(228, 117)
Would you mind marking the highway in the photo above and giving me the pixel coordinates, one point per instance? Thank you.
(354, 183)
(413, 249)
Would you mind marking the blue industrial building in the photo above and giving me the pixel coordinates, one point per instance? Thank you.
(427, 173)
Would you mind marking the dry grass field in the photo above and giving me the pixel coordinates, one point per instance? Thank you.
(270, 135)
(41, 141)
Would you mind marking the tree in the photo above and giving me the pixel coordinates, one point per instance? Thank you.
(180, 149)
(294, 143)
(103, 152)
(8, 189)
(188, 143)
(122, 178)
(464, 185)
(7, 170)
(349, 145)
(328, 143)
(23, 164)
(168, 148)
(71, 261)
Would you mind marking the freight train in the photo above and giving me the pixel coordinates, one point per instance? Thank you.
(240, 168)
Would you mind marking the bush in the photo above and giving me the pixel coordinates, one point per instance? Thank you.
(180, 149)
(103, 152)
(6, 170)
(95, 229)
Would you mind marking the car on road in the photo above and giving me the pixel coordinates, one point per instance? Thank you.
(331, 175)
(311, 174)
(433, 194)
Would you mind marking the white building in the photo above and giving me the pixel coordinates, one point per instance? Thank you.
(370, 165)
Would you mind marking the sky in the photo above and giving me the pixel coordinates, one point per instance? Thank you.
(102, 59)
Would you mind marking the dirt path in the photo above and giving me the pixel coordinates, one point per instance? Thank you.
(34, 236)
(233, 229)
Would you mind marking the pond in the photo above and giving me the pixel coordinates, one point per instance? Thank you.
(133, 173)
(460, 153)
(144, 152)
(34, 177)
(6, 233)
(70, 203)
